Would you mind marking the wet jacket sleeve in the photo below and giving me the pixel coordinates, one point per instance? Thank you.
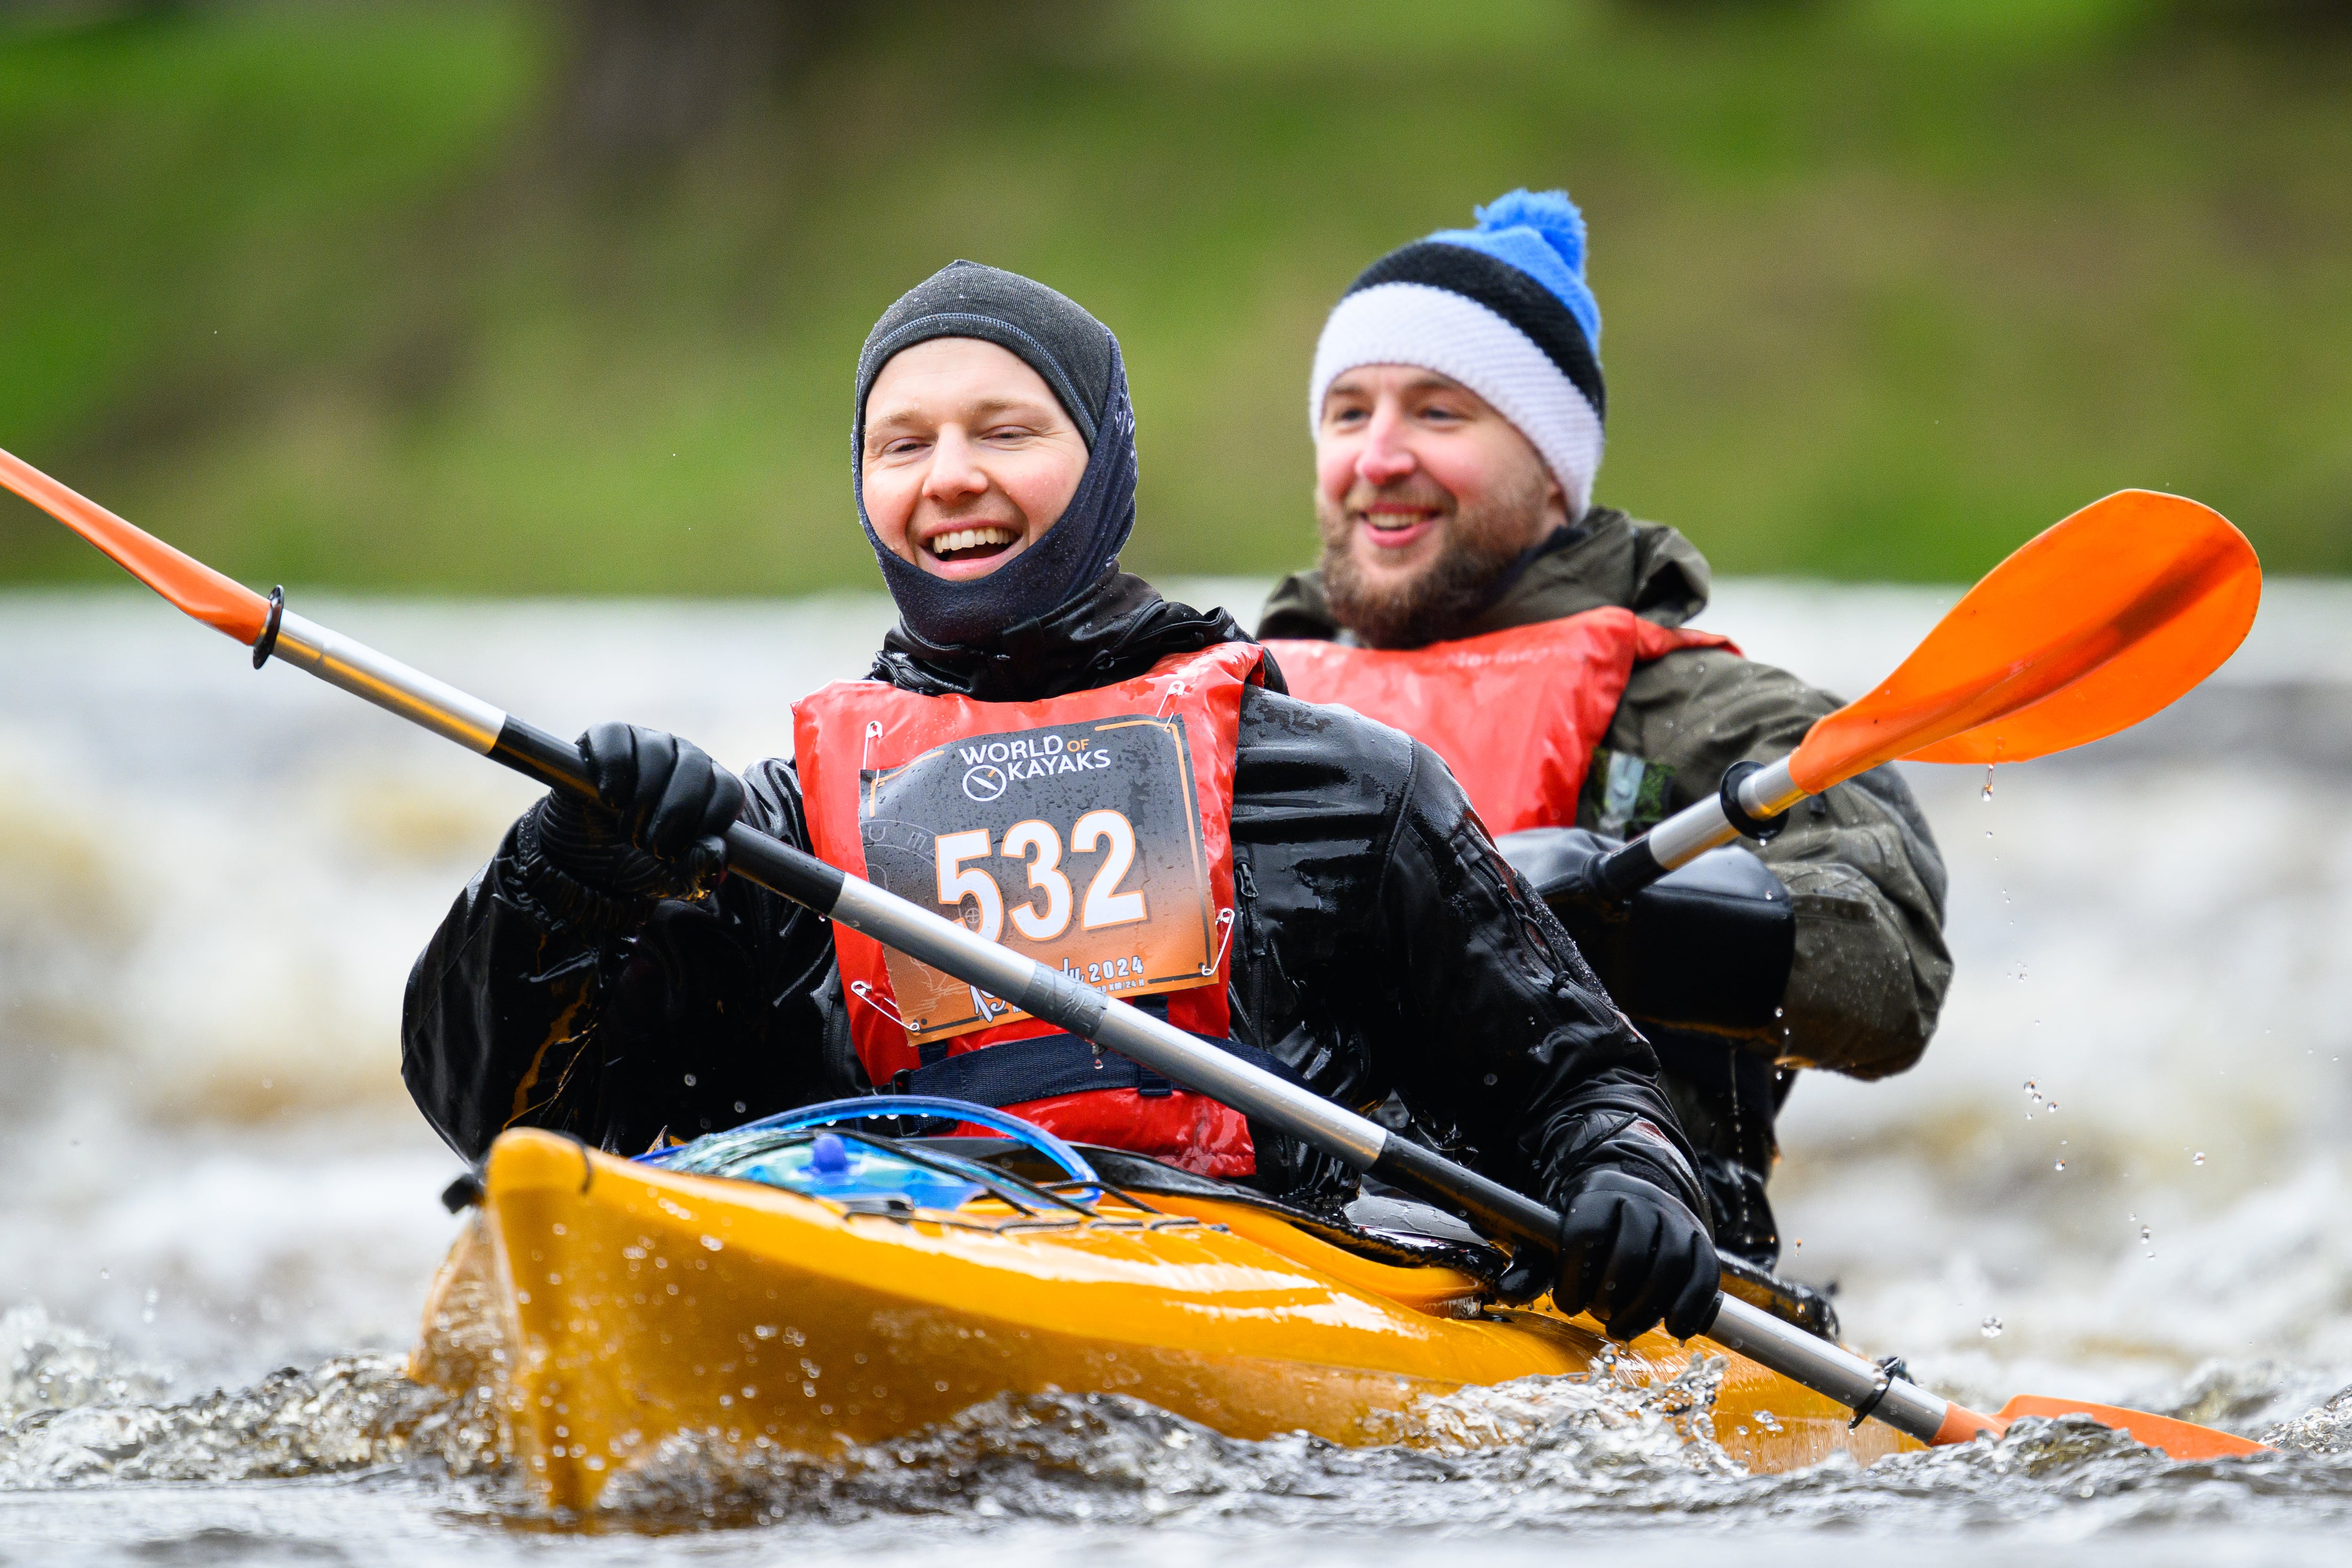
(1386, 947)
(1868, 883)
(1490, 1023)
(541, 1001)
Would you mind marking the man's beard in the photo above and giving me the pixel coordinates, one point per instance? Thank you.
(1438, 601)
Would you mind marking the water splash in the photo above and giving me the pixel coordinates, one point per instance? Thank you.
(350, 1413)
(144, 1008)
(1106, 1459)
(55, 1366)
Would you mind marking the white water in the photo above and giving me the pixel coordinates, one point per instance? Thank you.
(212, 882)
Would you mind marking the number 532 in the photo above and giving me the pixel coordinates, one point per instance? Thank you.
(1045, 914)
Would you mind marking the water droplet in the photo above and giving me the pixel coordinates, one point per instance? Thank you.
(2146, 1234)
(1987, 796)
(2200, 1157)
(689, 1080)
(2058, 1166)
(1989, 1328)
(2050, 1108)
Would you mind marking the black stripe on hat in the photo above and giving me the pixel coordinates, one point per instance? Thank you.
(1510, 293)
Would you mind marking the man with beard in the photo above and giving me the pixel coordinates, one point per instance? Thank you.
(1112, 784)
(1457, 405)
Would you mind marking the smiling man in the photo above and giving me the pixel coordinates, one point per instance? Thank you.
(1110, 783)
(1472, 594)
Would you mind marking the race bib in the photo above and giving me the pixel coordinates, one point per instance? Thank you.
(1078, 845)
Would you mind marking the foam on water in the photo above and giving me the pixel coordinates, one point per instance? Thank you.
(213, 883)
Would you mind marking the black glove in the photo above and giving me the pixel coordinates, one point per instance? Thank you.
(656, 827)
(1635, 1256)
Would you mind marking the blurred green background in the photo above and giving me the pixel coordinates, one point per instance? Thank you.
(555, 298)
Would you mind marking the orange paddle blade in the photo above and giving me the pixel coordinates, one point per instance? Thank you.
(222, 603)
(2178, 1440)
(2088, 628)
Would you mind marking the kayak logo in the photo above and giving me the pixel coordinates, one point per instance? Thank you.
(991, 767)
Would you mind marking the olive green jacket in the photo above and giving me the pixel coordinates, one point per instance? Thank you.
(1868, 884)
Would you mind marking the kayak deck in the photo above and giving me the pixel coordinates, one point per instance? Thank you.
(613, 1304)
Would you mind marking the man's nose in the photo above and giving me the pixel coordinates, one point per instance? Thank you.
(955, 472)
(1385, 457)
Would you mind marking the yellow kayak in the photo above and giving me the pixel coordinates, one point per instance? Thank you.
(612, 1303)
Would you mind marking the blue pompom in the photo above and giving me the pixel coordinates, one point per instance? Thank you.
(1548, 212)
(1543, 235)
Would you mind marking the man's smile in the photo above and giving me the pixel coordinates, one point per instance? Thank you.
(1396, 525)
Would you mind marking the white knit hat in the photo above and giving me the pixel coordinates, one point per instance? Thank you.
(1503, 309)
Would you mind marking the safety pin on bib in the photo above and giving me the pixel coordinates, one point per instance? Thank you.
(866, 992)
(1225, 939)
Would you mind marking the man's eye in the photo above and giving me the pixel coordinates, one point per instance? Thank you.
(1343, 417)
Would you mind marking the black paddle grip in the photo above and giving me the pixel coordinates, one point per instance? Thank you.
(1492, 1206)
(534, 753)
(774, 865)
(1625, 871)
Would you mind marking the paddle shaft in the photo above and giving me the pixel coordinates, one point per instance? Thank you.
(1749, 802)
(953, 948)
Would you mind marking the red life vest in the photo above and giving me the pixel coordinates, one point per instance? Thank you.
(1515, 713)
(1133, 892)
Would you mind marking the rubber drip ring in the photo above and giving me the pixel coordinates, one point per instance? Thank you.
(1861, 1411)
(266, 643)
(1763, 829)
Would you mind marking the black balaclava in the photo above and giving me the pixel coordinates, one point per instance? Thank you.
(1079, 358)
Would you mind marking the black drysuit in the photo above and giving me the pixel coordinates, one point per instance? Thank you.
(1381, 945)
